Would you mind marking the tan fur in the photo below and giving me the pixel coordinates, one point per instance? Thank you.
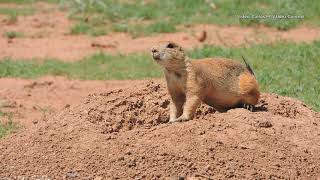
(249, 88)
(218, 82)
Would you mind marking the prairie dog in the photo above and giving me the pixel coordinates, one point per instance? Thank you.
(219, 82)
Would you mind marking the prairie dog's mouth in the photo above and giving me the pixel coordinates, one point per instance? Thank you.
(156, 57)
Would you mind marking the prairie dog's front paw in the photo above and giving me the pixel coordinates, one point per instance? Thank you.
(172, 120)
(182, 118)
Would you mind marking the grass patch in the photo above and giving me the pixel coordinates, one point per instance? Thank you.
(80, 28)
(16, 11)
(137, 30)
(7, 127)
(284, 68)
(14, 1)
(13, 13)
(100, 66)
(85, 28)
(28, 1)
(26, 10)
(118, 14)
(13, 34)
(163, 26)
(165, 15)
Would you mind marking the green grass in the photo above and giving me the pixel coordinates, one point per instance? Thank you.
(28, 1)
(99, 66)
(26, 10)
(13, 13)
(80, 28)
(164, 16)
(85, 28)
(13, 34)
(137, 30)
(8, 127)
(120, 15)
(14, 1)
(285, 68)
(16, 11)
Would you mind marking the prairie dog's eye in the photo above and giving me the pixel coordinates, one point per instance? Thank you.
(170, 45)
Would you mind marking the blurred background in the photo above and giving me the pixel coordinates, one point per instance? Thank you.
(54, 52)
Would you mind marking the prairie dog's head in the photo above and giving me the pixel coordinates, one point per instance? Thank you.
(168, 54)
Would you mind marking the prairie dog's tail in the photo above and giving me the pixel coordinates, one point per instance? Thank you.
(248, 67)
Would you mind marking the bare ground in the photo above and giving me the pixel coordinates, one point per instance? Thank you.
(47, 35)
(123, 134)
(33, 101)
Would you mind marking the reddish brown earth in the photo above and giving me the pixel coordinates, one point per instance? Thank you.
(47, 35)
(123, 134)
(33, 101)
(120, 130)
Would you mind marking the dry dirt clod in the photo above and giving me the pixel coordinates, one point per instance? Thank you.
(264, 124)
(38, 84)
(71, 174)
(100, 45)
(98, 178)
(203, 36)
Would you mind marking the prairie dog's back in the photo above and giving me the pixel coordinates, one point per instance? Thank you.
(220, 73)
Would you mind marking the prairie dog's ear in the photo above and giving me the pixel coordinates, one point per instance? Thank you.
(171, 45)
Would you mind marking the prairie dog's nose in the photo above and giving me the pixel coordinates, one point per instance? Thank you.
(153, 50)
(155, 54)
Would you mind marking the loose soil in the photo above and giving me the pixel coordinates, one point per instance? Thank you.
(33, 101)
(123, 134)
(120, 130)
(47, 35)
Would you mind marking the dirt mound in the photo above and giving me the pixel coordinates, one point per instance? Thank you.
(123, 134)
(122, 110)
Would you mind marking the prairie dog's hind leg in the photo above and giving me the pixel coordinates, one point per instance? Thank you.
(249, 107)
